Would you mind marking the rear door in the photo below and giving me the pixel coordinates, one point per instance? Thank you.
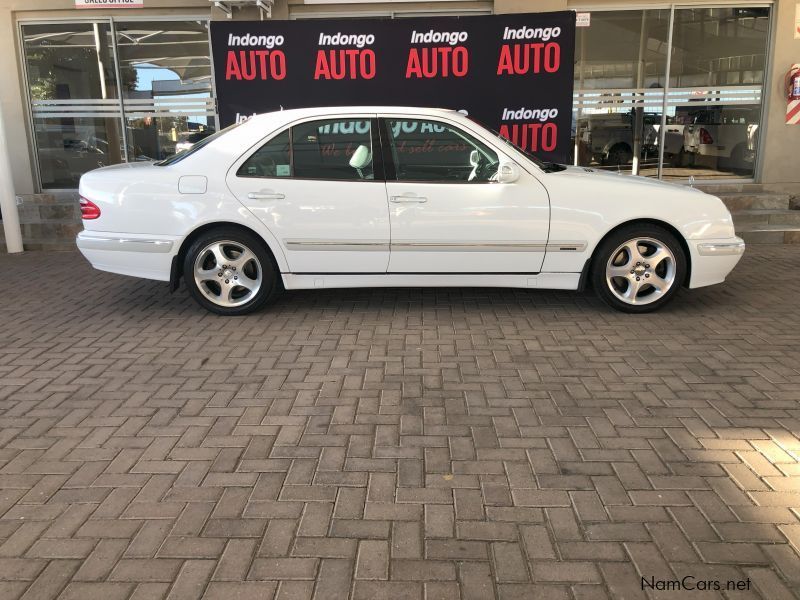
(319, 187)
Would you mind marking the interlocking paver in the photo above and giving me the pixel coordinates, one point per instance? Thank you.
(439, 444)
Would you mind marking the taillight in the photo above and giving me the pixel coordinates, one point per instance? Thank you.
(705, 137)
(89, 210)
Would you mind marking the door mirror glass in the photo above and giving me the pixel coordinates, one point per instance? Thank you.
(508, 172)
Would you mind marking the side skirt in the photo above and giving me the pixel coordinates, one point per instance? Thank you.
(552, 281)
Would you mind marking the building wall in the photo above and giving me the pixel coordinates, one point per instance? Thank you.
(780, 164)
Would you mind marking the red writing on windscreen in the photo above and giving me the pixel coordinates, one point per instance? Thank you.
(255, 64)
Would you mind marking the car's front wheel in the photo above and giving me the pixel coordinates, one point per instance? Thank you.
(638, 268)
(230, 272)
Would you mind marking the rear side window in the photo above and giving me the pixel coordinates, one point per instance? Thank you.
(333, 149)
(330, 149)
(271, 160)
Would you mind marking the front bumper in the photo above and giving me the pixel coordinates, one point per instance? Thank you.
(713, 260)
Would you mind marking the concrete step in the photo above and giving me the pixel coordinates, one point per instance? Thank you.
(739, 201)
(730, 188)
(748, 219)
(770, 234)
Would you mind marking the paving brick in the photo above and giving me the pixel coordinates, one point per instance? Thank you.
(373, 560)
(451, 443)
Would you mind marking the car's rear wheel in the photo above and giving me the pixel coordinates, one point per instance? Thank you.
(230, 272)
(638, 268)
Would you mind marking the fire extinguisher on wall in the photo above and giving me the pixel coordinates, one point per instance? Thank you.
(793, 95)
(793, 83)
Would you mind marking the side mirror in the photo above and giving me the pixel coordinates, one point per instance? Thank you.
(507, 172)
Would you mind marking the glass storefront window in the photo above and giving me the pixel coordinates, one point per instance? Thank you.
(73, 88)
(166, 67)
(69, 61)
(86, 84)
(717, 75)
(710, 105)
(619, 79)
(69, 147)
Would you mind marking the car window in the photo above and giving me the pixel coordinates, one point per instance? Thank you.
(424, 150)
(338, 149)
(271, 160)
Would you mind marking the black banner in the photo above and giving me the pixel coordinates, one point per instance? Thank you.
(514, 73)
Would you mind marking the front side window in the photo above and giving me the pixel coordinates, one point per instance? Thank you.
(338, 149)
(424, 150)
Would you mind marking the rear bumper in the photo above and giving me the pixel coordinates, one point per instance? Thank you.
(146, 256)
(713, 260)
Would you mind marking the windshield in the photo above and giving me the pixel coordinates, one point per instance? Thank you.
(171, 160)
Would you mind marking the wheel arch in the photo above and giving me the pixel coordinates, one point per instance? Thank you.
(176, 270)
(645, 221)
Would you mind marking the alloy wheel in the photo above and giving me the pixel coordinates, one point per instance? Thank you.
(640, 271)
(228, 273)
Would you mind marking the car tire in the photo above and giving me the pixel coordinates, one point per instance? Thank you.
(619, 155)
(638, 268)
(230, 272)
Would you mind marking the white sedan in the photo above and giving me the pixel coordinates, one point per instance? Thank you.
(382, 196)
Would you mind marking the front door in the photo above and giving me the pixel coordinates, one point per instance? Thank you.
(319, 189)
(448, 213)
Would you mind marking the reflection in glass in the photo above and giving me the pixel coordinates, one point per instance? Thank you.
(168, 96)
(69, 147)
(69, 61)
(717, 71)
(620, 75)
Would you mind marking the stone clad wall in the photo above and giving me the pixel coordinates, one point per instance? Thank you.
(49, 221)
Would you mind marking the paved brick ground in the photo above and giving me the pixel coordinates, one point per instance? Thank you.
(396, 443)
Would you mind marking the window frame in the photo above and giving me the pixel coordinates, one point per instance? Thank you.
(388, 158)
(378, 162)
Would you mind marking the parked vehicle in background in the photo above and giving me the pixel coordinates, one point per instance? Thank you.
(381, 196)
(610, 140)
(722, 136)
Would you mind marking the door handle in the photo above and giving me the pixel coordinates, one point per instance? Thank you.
(265, 196)
(408, 198)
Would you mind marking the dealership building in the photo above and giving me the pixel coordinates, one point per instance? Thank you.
(691, 92)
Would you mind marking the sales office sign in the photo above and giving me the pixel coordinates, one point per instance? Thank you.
(109, 3)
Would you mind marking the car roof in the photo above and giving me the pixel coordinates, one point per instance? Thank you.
(299, 113)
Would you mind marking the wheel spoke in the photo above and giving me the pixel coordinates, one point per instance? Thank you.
(661, 284)
(623, 271)
(240, 261)
(205, 274)
(632, 291)
(633, 252)
(219, 254)
(657, 256)
(248, 282)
